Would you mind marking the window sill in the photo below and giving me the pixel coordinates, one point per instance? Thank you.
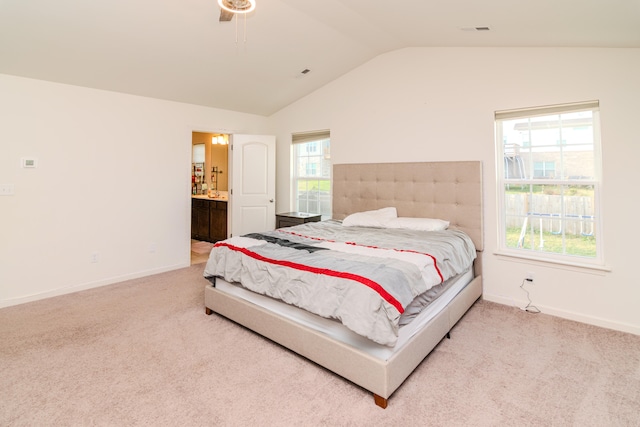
(511, 256)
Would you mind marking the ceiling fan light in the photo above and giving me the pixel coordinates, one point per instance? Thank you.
(237, 6)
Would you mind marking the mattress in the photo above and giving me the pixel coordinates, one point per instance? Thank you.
(336, 330)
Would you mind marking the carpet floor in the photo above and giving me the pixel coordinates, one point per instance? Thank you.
(143, 352)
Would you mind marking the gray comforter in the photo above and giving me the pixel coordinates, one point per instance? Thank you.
(363, 277)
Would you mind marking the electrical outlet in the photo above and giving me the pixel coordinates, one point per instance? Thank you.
(95, 257)
(7, 190)
(529, 276)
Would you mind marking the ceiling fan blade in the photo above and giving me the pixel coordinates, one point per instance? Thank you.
(225, 15)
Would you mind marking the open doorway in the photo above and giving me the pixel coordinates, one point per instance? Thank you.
(209, 192)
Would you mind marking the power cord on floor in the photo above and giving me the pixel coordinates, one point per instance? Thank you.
(529, 308)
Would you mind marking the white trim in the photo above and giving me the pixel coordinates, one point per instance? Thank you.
(89, 285)
(569, 315)
(537, 259)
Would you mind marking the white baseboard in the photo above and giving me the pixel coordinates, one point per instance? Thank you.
(565, 314)
(90, 285)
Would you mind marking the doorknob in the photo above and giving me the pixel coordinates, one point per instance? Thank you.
(270, 200)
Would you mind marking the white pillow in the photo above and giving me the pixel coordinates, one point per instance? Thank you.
(377, 218)
(422, 224)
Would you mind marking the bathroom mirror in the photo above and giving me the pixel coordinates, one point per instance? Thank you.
(211, 157)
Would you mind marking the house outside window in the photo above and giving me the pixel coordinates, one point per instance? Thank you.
(549, 183)
(544, 169)
(312, 172)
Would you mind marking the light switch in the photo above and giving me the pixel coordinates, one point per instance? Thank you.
(29, 162)
(7, 189)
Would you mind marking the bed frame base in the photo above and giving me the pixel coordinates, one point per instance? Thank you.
(380, 377)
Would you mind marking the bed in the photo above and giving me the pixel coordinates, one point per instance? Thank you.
(444, 190)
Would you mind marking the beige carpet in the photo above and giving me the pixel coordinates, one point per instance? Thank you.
(144, 353)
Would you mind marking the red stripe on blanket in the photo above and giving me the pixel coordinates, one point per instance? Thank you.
(280, 230)
(435, 261)
(341, 274)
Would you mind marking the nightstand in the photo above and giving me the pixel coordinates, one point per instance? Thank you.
(289, 219)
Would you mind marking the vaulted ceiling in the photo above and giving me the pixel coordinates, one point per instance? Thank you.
(179, 51)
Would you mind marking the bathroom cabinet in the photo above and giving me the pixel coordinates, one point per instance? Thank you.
(208, 219)
(217, 220)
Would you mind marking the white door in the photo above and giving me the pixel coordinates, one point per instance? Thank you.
(253, 183)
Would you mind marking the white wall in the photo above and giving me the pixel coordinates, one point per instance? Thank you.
(113, 177)
(437, 104)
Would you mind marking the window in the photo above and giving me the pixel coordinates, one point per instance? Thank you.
(549, 163)
(312, 172)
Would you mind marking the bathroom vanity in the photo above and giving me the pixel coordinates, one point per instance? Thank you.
(208, 218)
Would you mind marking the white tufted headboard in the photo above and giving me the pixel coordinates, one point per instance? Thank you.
(446, 190)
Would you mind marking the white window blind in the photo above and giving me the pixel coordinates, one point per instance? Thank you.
(302, 137)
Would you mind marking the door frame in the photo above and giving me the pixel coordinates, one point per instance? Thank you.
(188, 178)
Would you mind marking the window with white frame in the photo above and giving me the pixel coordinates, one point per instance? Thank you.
(312, 172)
(549, 176)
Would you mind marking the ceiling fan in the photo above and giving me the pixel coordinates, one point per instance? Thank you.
(228, 8)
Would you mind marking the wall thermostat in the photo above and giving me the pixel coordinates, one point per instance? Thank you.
(29, 162)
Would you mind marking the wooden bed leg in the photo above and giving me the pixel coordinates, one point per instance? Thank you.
(208, 311)
(380, 401)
